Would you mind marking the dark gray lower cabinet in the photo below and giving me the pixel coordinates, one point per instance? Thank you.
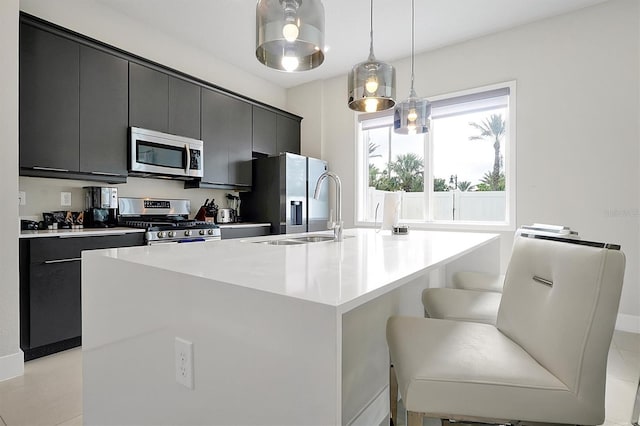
(244, 232)
(54, 302)
(50, 290)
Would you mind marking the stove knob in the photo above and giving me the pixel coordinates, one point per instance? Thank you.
(187, 233)
(210, 231)
(171, 234)
(202, 232)
(161, 234)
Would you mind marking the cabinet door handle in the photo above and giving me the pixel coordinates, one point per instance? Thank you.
(74, 259)
(186, 147)
(50, 169)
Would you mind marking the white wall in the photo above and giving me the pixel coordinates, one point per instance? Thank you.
(10, 354)
(577, 134)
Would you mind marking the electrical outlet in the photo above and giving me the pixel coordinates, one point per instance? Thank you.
(65, 198)
(184, 362)
(22, 198)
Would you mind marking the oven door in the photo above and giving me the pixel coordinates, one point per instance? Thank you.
(163, 154)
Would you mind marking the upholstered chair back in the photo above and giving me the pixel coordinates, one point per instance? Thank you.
(560, 302)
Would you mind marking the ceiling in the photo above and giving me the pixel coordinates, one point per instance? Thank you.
(226, 28)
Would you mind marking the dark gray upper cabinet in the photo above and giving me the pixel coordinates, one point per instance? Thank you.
(103, 114)
(161, 102)
(49, 104)
(184, 108)
(227, 139)
(288, 134)
(264, 131)
(148, 98)
(78, 97)
(240, 144)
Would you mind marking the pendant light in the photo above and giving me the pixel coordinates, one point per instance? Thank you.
(290, 34)
(412, 116)
(372, 84)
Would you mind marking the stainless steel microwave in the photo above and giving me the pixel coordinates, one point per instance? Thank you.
(164, 154)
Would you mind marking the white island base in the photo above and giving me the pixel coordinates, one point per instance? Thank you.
(282, 335)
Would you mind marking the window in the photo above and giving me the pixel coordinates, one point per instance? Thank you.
(460, 174)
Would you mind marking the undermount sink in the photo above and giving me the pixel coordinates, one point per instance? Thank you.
(313, 238)
(305, 239)
(292, 241)
(281, 242)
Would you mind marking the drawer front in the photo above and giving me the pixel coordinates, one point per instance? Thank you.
(228, 233)
(56, 248)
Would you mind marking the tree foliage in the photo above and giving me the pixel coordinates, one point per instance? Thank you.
(491, 182)
(406, 173)
(491, 128)
(465, 186)
(440, 185)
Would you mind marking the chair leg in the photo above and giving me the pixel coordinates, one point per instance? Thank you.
(414, 419)
(393, 394)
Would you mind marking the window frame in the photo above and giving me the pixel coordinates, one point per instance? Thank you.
(362, 173)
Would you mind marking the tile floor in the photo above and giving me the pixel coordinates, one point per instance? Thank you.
(50, 392)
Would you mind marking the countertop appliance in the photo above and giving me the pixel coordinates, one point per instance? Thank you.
(101, 206)
(152, 152)
(165, 220)
(282, 194)
(226, 216)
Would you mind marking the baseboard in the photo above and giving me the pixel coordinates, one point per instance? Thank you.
(630, 323)
(11, 365)
(376, 412)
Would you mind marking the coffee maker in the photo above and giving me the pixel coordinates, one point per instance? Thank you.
(101, 206)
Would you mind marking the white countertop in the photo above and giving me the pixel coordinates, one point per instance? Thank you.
(82, 232)
(342, 275)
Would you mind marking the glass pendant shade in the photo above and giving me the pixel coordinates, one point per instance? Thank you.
(372, 84)
(412, 116)
(290, 34)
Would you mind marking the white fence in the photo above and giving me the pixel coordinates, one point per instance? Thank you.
(484, 206)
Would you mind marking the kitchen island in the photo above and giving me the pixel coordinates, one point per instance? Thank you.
(282, 333)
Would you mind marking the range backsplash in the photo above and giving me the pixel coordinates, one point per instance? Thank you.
(43, 195)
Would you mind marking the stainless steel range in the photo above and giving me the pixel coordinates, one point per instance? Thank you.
(166, 220)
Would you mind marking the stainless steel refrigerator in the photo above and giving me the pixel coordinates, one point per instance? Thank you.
(282, 194)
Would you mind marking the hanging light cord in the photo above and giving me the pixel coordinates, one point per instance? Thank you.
(371, 56)
(413, 42)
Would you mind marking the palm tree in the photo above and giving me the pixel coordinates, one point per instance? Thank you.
(465, 185)
(491, 182)
(491, 128)
(372, 148)
(408, 168)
